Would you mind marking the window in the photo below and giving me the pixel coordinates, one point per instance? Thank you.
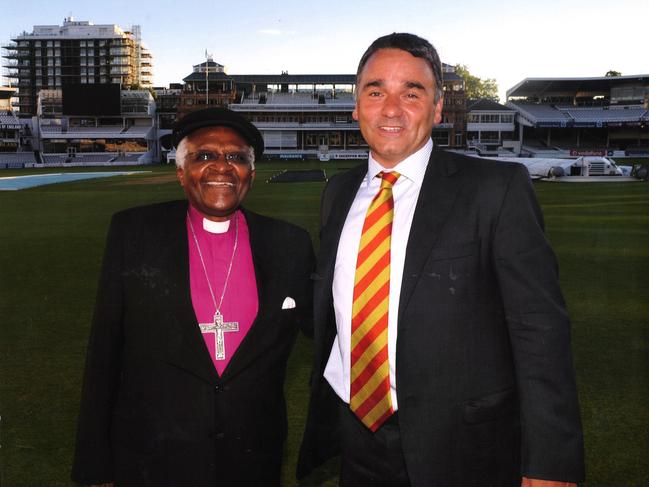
(490, 118)
(441, 137)
(489, 136)
(311, 139)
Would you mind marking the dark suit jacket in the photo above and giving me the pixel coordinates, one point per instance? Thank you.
(485, 380)
(154, 412)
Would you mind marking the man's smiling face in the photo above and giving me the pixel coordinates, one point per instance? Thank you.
(213, 185)
(395, 105)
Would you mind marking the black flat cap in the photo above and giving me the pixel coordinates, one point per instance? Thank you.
(215, 117)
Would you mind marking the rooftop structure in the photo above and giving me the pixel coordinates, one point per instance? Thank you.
(101, 125)
(77, 52)
(490, 125)
(567, 116)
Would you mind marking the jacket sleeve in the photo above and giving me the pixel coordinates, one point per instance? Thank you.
(93, 462)
(539, 330)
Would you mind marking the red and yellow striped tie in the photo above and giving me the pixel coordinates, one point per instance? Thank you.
(370, 374)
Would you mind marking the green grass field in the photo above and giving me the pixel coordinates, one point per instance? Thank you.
(51, 241)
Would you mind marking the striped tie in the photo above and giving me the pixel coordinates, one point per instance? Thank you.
(370, 374)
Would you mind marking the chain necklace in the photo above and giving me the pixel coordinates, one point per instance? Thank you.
(227, 277)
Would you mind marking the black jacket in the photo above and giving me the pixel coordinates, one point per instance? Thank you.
(485, 380)
(154, 412)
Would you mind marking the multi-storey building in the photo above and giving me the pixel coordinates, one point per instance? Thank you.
(583, 116)
(100, 126)
(77, 52)
(9, 125)
(301, 115)
(167, 103)
(490, 127)
(450, 133)
(207, 85)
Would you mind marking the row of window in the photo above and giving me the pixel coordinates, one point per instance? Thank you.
(296, 118)
(490, 136)
(55, 81)
(89, 43)
(491, 118)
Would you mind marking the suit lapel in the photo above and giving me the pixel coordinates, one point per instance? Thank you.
(186, 346)
(341, 202)
(436, 198)
(259, 246)
(339, 199)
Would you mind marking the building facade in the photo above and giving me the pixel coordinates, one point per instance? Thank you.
(77, 52)
(207, 85)
(490, 127)
(606, 115)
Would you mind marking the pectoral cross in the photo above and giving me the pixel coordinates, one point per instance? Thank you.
(218, 328)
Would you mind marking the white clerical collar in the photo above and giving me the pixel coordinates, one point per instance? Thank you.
(215, 227)
(412, 167)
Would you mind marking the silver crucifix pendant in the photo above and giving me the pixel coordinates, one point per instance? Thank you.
(220, 326)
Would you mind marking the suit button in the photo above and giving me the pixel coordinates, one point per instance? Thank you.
(220, 435)
(218, 388)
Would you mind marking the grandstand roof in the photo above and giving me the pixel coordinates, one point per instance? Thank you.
(210, 64)
(485, 104)
(305, 79)
(196, 76)
(540, 86)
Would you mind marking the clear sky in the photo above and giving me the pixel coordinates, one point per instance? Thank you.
(508, 41)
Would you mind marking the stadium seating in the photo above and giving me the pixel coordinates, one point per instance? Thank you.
(137, 131)
(103, 157)
(51, 129)
(127, 158)
(55, 158)
(17, 158)
(291, 99)
(341, 98)
(540, 113)
(600, 114)
(8, 119)
(93, 132)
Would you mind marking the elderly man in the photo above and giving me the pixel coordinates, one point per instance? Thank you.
(197, 310)
(442, 340)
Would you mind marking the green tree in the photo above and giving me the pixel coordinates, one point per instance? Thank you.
(612, 73)
(477, 87)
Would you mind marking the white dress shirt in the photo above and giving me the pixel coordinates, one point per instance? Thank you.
(405, 193)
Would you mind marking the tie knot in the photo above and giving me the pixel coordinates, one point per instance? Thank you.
(388, 179)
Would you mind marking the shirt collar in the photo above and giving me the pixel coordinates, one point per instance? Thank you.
(199, 221)
(412, 167)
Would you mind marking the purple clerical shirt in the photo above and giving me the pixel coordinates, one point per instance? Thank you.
(240, 302)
